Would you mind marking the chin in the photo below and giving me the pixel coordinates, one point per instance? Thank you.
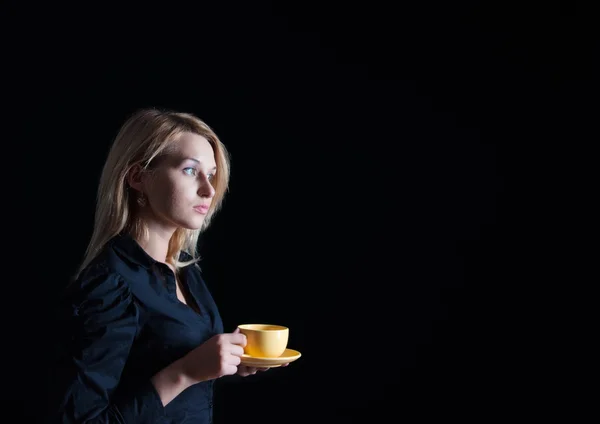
(193, 225)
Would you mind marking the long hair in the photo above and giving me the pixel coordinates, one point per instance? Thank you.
(143, 137)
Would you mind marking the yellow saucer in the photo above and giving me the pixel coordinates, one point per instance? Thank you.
(289, 355)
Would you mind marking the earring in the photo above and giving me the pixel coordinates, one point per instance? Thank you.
(141, 200)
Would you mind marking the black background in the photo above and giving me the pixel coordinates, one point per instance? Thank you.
(376, 192)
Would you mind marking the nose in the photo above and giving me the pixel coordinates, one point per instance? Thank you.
(206, 189)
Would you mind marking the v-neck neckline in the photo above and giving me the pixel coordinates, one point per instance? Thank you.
(183, 285)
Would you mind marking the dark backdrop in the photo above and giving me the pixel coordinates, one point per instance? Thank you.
(370, 207)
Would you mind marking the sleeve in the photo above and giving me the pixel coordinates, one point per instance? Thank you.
(102, 324)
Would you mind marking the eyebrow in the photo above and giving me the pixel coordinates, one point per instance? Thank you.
(214, 168)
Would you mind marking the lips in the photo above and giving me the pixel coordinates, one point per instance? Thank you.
(203, 209)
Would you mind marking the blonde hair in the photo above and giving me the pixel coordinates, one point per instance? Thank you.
(145, 135)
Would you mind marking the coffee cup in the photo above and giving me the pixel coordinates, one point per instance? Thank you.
(265, 340)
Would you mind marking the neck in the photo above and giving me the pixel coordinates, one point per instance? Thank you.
(156, 244)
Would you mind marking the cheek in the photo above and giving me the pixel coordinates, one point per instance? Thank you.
(176, 197)
(164, 196)
(172, 196)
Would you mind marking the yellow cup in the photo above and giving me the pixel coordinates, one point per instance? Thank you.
(265, 340)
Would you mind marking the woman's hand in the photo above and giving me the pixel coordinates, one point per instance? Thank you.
(218, 356)
(214, 358)
(245, 371)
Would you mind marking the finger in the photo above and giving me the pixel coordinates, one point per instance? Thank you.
(236, 350)
(251, 370)
(262, 369)
(234, 360)
(237, 338)
(237, 330)
(244, 371)
(230, 370)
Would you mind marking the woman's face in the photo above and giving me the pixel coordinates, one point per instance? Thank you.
(178, 188)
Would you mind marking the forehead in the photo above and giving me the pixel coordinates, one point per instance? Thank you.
(194, 146)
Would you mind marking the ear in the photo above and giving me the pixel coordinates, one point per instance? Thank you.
(134, 178)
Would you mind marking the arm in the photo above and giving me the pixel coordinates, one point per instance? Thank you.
(170, 382)
(103, 324)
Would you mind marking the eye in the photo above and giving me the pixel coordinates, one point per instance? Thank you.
(210, 177)
(190, 171)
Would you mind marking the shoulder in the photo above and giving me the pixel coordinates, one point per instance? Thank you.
(97, 284)
(102, 280)
(98, 297)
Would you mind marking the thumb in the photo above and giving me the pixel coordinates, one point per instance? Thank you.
(242, 341)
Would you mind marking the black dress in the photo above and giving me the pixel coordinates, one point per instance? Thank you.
(121, 322)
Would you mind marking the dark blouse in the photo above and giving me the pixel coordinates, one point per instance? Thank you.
(122, 323)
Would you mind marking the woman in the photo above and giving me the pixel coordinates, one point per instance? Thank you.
(144, 339)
